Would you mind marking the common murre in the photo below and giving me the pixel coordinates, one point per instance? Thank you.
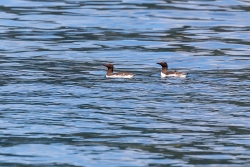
(166, 73)
(110, 73)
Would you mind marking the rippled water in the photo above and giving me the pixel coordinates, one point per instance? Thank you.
(58, 109)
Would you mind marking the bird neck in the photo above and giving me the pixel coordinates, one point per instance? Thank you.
(110, 70)
(164, 69)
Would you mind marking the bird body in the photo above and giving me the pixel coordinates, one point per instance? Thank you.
(166, 73)
(111, 74)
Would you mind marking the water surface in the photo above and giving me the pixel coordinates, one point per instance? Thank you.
(58, 109)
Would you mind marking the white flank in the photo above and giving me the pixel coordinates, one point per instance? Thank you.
(119, 76)
(182, 75)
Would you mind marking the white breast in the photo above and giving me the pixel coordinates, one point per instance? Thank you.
(119, 76)
(181, 75)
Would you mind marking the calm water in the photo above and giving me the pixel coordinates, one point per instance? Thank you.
(58, 109)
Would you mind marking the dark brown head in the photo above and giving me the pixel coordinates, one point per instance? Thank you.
(110, 68)
(108, 65)
(163, 64)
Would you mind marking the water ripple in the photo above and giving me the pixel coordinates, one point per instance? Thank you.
(58, 109)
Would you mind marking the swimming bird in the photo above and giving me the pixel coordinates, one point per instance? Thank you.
(166, 73)
(110, 73)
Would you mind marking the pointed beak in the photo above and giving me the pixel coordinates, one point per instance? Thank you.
(104, 64)
(158, 63)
